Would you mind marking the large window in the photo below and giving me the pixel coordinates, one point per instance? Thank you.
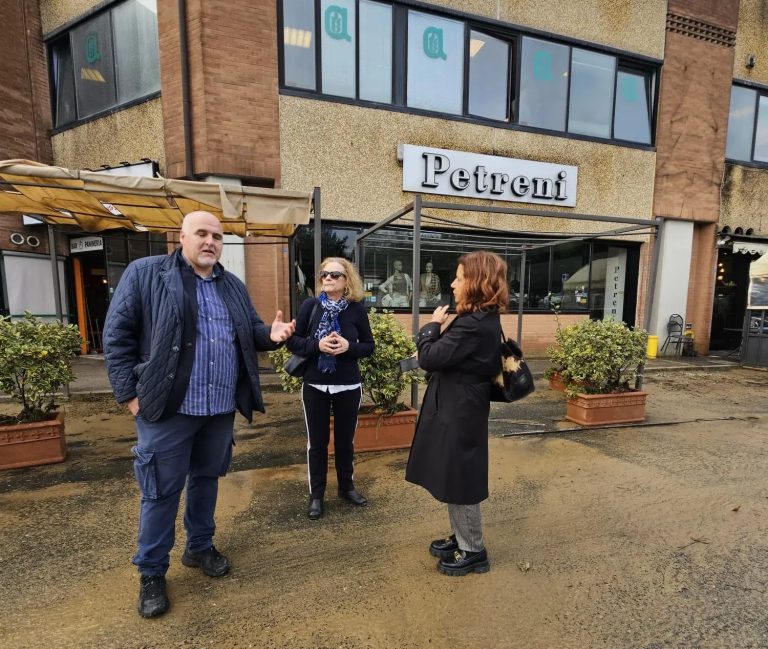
(748, 125)
(105, 61)
(352, 66)
(389, 53)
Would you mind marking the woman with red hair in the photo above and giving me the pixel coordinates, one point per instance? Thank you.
(449, 453)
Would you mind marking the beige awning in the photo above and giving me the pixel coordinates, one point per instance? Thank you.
(97, 201)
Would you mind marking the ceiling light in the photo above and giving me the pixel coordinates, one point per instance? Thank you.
(297, 37)
(475, 45)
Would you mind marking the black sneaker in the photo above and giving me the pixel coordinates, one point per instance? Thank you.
(444, 548)
(212, 562)
(463, 562)
(153, 599)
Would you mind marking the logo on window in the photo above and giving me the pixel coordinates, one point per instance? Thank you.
(336, 23)
(92, 53)
(542, 66)
(433, 43)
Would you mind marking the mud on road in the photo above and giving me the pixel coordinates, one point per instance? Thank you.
(642, 537)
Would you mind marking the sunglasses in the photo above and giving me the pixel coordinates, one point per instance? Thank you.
(333, 274)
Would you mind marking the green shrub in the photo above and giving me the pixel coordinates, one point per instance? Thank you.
(383, 383)
(598, 356)
(35, 361)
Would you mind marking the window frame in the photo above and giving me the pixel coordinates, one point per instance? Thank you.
(760, 91)
(511, 34)
(57, 36)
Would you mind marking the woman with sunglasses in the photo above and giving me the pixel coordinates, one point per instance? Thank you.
(336, 337)
(449, 453)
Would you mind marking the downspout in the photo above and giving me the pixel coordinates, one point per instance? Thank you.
(185, 93)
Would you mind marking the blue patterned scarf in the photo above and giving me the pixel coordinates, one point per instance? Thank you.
(329, 322)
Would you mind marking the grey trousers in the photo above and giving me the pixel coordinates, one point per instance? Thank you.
(467, 526)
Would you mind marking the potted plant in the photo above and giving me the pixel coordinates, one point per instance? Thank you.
(35, 362)
(385, 422)
(598, 361)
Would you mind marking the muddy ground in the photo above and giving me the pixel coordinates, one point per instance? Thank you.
(644, 537)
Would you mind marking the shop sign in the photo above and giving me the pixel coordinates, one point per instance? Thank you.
(85, 244)
(474, 175)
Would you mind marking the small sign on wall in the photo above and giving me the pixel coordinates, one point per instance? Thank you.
(85, 244)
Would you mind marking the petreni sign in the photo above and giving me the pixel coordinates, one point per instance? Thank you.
(428, 170)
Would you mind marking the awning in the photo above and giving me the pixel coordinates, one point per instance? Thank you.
(97, 201)
(750, 247)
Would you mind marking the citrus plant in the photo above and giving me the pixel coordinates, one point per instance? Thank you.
(35, 361)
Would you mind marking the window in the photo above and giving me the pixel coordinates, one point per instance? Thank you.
(761, 131)
(488, 77)
(748, 125)
(105, 61)
(390, 53)
(435, 63)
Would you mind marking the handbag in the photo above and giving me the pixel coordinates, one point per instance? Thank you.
(297, 364)
(515, 380)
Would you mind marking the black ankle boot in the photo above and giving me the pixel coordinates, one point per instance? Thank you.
(315, 509)
(153, 598)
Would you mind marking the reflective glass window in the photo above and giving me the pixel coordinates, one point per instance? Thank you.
(591, 102)
(543, 84)
(741, 123)
(632, 119)
(488, 77)
(761, 131)
(375, 51)
(299, 43)
(137, 64)
(63, 76)
(435, 63)
(338, 22)
(93, 65)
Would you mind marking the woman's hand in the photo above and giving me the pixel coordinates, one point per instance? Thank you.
(327, 345)
(337, 344)
(440, 314)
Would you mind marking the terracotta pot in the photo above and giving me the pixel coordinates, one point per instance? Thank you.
(382, 432)
(604, 409)
(39, 442)
(556, 382)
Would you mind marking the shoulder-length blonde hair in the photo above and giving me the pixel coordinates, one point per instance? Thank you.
(485, 282)
(354, 283)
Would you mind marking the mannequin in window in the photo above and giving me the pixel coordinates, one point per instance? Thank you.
(430, 287)
(397, 289)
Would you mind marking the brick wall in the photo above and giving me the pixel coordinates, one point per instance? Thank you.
(25, 115)
(232, 53)
(701, 286)
(267, 276)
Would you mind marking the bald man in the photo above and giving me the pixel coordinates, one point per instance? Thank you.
(180, 342)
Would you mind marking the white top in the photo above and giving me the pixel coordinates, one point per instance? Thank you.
(333, 389)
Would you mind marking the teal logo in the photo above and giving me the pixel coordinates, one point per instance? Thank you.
(336, 23)
(92, 53)
(542, 66)
(433, 43)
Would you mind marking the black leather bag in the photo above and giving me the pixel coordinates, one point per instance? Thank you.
(297, 365)
(515, 380)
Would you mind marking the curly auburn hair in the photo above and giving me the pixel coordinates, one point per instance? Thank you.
(354, 282)
(485, 282)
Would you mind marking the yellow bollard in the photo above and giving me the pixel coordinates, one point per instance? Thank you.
(653, 346)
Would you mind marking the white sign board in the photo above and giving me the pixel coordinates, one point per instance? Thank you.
(473, 175)
(85, 244)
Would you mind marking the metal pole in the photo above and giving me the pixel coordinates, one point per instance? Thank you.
(56, 286)
(651, 294)
(318, 231)
(416, 285)
(520, 299)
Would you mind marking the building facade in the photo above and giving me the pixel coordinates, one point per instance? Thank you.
(570, 114)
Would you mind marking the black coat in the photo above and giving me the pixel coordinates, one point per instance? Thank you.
(449, 454)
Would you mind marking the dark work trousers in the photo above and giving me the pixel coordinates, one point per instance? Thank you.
(169, 453)
(317, 417)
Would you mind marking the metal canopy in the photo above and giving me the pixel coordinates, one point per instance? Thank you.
(631, 225)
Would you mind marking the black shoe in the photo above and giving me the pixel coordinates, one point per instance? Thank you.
(315, 509)
(444, 548)
(153, 600)
(213, 563)
(353, 496)
(463, 562)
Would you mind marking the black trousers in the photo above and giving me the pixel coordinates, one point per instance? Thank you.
(317, 415)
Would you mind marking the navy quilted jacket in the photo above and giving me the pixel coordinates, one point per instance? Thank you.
(143, 335)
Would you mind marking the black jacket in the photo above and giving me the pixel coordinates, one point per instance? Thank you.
(449, 453)
(147, 346)
(355, 327)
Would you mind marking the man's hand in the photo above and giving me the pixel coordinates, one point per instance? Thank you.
(133, 406)
(281, 331)
(440, 314)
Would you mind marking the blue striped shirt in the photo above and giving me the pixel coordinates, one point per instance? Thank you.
(211, 388)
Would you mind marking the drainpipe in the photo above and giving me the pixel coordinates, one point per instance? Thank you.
(186, 103)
